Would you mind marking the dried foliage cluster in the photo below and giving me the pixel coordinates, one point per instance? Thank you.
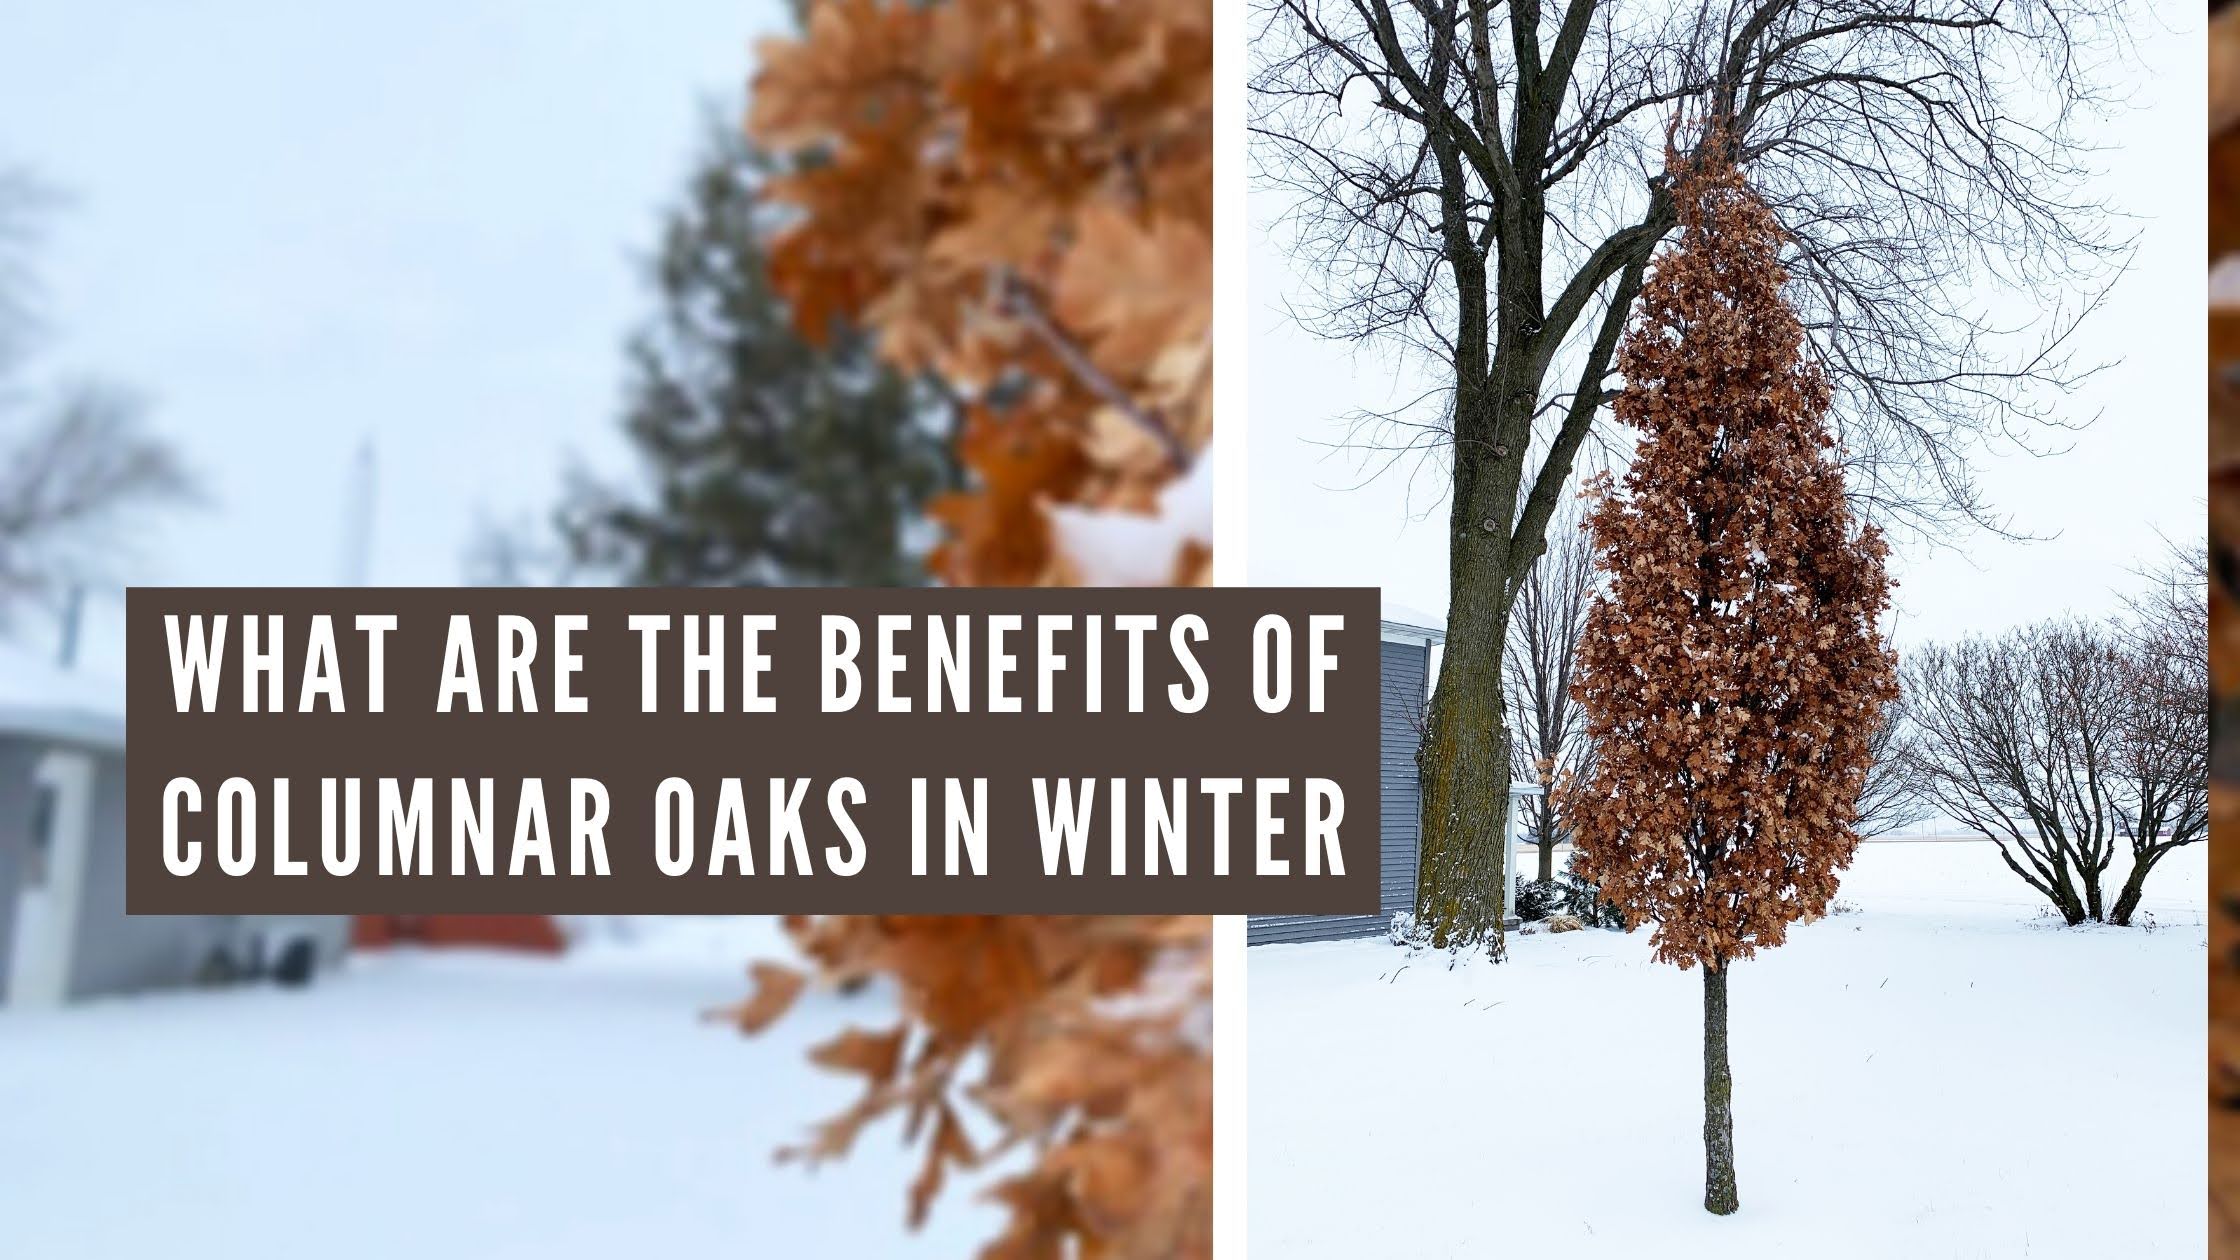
(1083, 1037)
(1016, 195)
(1731, 672)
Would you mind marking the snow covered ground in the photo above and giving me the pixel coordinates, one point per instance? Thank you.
(456, 1104)
(1944, 1073)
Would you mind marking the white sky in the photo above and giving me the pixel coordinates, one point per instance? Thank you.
(2139, 470)
(294, 227)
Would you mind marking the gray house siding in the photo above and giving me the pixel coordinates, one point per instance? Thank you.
(18, 757)
(109, 951)
(1402, 668)
(113, 952)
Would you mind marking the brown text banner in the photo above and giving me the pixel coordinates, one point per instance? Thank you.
(439, 750)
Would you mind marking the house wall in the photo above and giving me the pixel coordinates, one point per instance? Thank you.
(18, 757)
(1403, 674)
(119, 953)
(113, 952)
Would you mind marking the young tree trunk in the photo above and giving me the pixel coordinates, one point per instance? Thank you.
(1718, 1098)
(1547, 856)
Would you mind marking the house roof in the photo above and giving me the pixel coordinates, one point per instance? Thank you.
(1408, 625)
(41, 699)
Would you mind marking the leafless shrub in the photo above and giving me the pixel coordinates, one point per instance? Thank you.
(2069, 741)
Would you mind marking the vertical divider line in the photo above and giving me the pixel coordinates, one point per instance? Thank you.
(1230, 414)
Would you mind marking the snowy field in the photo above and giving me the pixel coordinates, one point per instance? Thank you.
(1944, 1073)
(442, 1105)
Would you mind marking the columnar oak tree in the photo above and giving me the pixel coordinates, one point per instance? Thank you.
(1731, 670)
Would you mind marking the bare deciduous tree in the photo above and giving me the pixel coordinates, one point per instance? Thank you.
(2163, 760)
(1548, 727)
(1889, 800)
(1484, 182)
(2017, 739)
(2068, 741)
(72, 473)
(76, 463)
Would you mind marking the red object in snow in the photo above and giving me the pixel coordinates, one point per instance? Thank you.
(530, 933)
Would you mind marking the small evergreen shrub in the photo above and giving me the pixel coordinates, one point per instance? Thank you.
(1575, 895)
(1535, 901)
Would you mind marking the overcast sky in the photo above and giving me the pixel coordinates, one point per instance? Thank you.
(296, 227)
(2138, 471)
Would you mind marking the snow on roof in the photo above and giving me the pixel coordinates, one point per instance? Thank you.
(1399, 616)
(42, 699)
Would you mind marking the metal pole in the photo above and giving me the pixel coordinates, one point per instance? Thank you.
(73, 618)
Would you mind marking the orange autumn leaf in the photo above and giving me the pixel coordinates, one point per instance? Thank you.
(776, 989)
(999, 535)
(948, 1147)
(874, 1056)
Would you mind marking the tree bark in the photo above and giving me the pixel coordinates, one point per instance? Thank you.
(1547, 858)
(1463, 761)
(2066, 899)
(1718, 1098)
(1464, 765)
(2135, 886)
(2071, 907)
(2055, 887)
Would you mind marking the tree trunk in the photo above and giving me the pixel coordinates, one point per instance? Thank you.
(1718, 1098)
(1463, 762)
(2134, 886)
(2072, 910)
(2065, 898)
(1547, 858)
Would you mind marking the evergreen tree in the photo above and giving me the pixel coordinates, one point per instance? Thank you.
(769, 459)
(1731, 670)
